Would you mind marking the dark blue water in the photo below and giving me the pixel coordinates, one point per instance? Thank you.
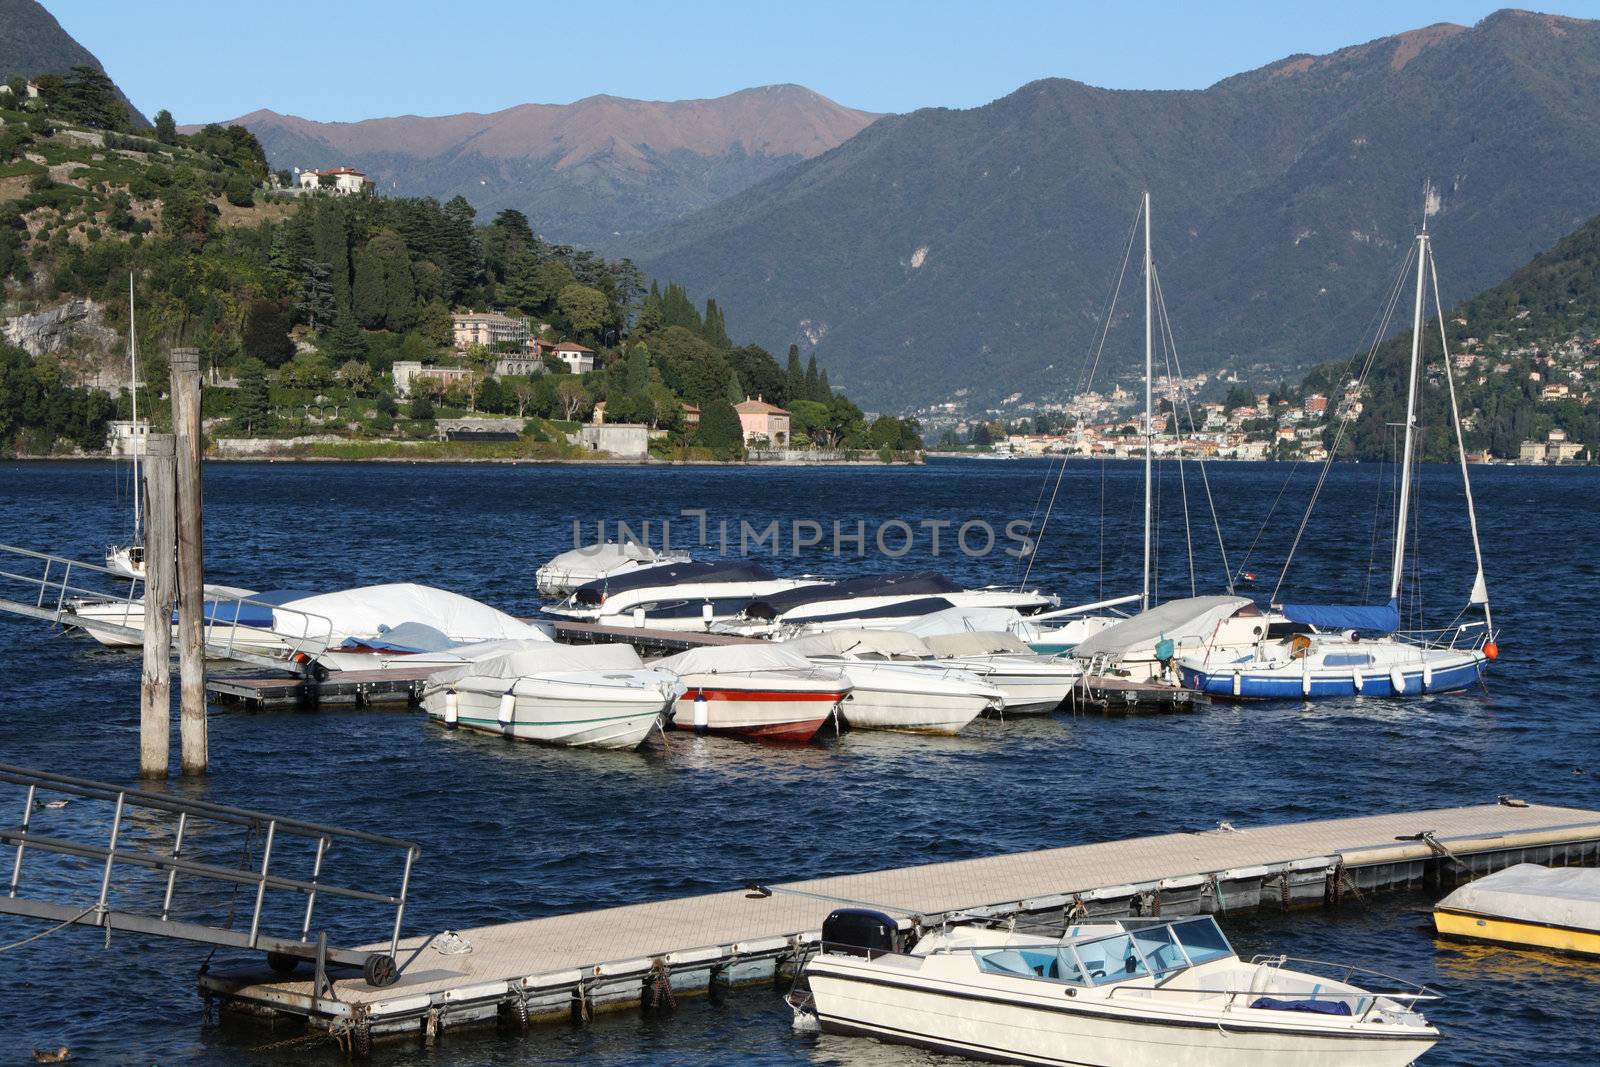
(515, 830)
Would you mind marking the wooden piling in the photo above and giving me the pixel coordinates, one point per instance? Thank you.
(155, 685)
(193, 740)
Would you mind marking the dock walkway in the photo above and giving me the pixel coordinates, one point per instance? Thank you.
(567, 965)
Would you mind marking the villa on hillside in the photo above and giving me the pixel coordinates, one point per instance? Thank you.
(340, 181)
(1555, 448)
(486, 328)
(409, 372)
(579, 359)
(761, 420)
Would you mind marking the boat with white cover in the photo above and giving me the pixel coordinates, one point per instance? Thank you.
(1030, 682)
(582, 696)
(895, 686)
(414, 644)
(753, 690)
(234, 619)
(1352, 649)
(592, 563)
(1554, 908)
(677, 596)
(1145, 647)
(1129, 993)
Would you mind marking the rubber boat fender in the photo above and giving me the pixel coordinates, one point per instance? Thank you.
(1397, 679)
(1305, 677)
(702, 712)
(452, 708)
(508, 710)
(1427, 677)
(1238, 682)
(1356, 676)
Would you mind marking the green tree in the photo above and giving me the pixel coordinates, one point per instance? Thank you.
(384, 296)
(720, 429)
(573, 399)
(344, 342)
(265, 334)
(251, 410)
(650, 318)
(521, 288)
(735, 391)
(166, 128)
(356, 375)
(813, 389)
(794, 378)
(550, 278)
(584, 309)
(715, 329)
(637, 378)
(420, 408)
(87, 97)
(824, 390)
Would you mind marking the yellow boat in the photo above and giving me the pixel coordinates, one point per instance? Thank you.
(1557, 909)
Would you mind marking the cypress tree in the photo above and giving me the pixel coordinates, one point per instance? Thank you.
(735, 390)
(715, 329)
(824, 390)
(813, 389)
(794, 378)
(637, 380)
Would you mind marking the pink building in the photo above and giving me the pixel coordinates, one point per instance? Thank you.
(761, 419)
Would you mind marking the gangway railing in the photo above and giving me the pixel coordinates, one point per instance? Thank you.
(53, 594)
(111, 902)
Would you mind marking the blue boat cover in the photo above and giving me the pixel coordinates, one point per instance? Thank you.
(928, 583)
(733, 570)
(1319, 1007)
(258, 615)
(1384, 618)
(904, 609)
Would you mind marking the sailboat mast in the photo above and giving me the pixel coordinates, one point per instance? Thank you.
(137, 439)
(1411, 418)
(1149, 363)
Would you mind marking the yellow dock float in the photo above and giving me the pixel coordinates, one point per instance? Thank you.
(566, 966)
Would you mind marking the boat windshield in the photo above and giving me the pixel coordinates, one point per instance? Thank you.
(1202, 940)
(1159, 951)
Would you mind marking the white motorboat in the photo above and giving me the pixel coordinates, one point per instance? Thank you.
(1031, 683)
(236, 620)
(592, 563)
(754, 690)
(414, 644)
(873, 601)
(676, 596)
(1146, 647)
(1345, 650)
(893, 685)
(1127, 993)
(585, 696)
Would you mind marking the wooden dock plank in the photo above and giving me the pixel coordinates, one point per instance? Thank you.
(513, 952)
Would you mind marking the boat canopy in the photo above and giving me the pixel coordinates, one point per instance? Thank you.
(915, 583)
(962, 620)
(1527, 892)
(407, 637)
(978, 643)
(1192, 618)
(735, 659)
(885, 644)
(690, 571)
(551, 658)
(374, 610)
(1381, 618)
(600, 557)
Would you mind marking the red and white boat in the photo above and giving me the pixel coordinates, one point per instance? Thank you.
(754, 690)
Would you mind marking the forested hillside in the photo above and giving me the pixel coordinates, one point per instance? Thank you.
(1525, 355)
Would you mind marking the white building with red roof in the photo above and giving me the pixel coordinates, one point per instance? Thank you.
(341, 181)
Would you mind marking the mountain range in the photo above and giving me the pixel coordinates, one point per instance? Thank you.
(32, 42)
(595, 172)
(945, 251)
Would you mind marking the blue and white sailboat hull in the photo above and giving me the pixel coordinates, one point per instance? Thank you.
(1382, 669)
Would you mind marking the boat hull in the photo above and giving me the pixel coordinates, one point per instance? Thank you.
(871, 707)
(545, 716)
(1033, 1030)
(1457, 672)
(762, 709)
(1471, 926)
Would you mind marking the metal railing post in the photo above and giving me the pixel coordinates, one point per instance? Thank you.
(111, 852)
(261, 883)
(44, 583)
(27, 817)
(400, 907)
(311, 897)
(172, 875)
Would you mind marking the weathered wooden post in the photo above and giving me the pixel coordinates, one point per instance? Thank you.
(194, 744)
(160, 535)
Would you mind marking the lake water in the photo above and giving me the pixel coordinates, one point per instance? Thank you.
(513, 831)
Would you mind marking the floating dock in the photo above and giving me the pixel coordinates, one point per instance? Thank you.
(1103, 692)
(569, 966)
(401, 685)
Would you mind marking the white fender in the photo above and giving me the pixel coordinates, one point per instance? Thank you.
(452, 708)
(1427, 676)
(706, 614)
(702, 711)
(638, 617)
(1305, 678)
(1397, 679)
(508, 710)
(1238, 682)
(1358, 681)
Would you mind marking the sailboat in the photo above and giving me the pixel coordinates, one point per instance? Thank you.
(1339, 650)
(127, 561)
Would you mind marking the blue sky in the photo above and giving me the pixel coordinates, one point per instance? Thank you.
(352, 59)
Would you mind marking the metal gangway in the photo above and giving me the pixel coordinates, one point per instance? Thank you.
(136, 830)
(49, 588)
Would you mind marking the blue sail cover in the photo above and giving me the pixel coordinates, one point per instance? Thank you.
(1378, 618)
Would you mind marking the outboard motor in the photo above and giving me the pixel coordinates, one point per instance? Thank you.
(861, 932)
